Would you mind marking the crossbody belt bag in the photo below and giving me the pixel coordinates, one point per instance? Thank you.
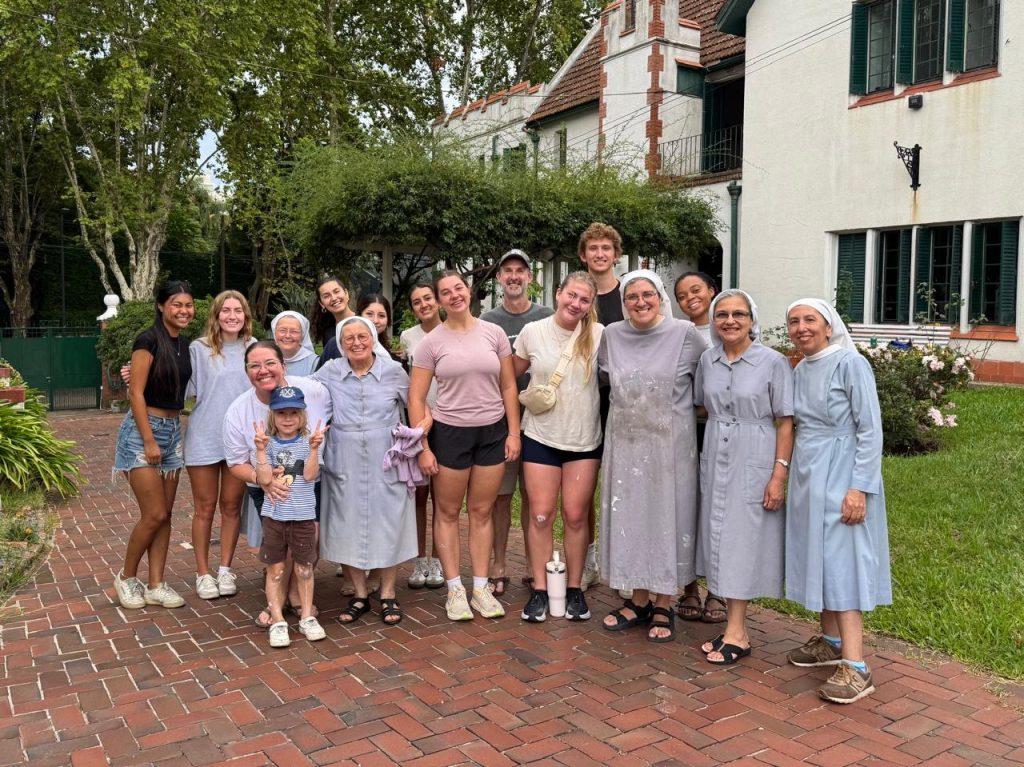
(540, 398)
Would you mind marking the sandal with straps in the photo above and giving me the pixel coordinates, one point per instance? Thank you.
(669, 624)
(690, 607)
(713, 645)
(730, 654)
(357, 608)
(389, 609)
(641, 615)
(714, 614)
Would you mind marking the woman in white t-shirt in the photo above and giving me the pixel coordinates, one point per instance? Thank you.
(426, 571)
(562, 446)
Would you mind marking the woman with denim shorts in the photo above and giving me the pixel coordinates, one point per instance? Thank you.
(149, 443)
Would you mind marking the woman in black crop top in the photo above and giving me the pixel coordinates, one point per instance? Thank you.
(149, 443)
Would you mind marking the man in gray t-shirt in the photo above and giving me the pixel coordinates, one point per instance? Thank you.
(515, 273)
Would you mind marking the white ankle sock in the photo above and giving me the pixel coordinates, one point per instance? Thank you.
(453, 582)
(221, 570)
(479, 583)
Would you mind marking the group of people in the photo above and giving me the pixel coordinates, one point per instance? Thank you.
(716, 458)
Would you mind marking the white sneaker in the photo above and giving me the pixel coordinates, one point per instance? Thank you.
(456, 606)
(206, 587)
(164, 596)
(279, 636)
(418, 576)
(129, 592)
(590, 577)
(484, 603)
(310, 627)
(227, 583)
(435, 576)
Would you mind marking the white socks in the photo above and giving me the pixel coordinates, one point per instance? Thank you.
(479, 583)
(453, 582)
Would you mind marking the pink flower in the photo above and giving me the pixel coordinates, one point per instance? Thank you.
(936, 415)
(951, 420)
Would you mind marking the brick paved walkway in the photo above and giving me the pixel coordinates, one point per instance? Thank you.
(86, 683)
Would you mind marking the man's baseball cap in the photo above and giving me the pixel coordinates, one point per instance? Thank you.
(284, 397)
(516, 253)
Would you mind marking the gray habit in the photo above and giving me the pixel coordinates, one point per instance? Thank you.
(740, 547)
(649, 484)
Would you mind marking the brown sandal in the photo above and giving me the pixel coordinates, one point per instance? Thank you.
(499, 585)
(714, 614)
(689, 610)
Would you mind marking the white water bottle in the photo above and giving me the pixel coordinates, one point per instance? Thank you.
(556, 586)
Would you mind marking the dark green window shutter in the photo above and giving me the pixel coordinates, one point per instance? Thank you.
(953, 310)
(1008, 273)
(977, 272)
(905, 42)
(859, 49)
(923, 274)
(850, 282)
(689, 81)
(903, 289)
(957, 32)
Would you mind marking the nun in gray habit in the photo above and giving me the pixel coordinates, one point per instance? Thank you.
(837, 542)
(649, 484)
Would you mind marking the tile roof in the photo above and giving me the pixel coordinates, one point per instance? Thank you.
(524, 87)
(715, 45)
(581, 83)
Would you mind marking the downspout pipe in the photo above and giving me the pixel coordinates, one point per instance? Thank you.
(735, 190)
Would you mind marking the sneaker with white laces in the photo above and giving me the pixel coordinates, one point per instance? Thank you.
(279, 636)
(846, 685)
(164, 596)
(418, 577)
(483, 602)
(129, 592)
(456, 605)
(435, 576)
(227, 583)
(310, 628)
(206, 587)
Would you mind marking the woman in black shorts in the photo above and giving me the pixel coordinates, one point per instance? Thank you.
(562, 446)
(476, 429)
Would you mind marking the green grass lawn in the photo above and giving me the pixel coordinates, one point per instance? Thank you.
(956, 535)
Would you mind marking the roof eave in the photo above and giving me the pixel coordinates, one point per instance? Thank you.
(732, 18)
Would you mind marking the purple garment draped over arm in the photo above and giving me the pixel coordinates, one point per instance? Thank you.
(402, 456)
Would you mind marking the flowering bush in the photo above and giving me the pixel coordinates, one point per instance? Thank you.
(913, 390)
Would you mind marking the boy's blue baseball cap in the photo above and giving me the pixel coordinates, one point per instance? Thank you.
(284, 397)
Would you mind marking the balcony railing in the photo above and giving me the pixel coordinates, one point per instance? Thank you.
(714, 152)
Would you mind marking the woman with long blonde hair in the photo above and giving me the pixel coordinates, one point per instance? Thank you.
(562, 446)
(218, 377)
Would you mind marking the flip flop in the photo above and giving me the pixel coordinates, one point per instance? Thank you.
(730, 654)
(499, 585)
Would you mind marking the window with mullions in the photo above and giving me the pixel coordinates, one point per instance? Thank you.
(982, 44)
(937, 284)
(993, 298)
(929, 39)
(892, 277)
(881, 40)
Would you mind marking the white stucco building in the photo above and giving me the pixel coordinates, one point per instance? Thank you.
(786, 115)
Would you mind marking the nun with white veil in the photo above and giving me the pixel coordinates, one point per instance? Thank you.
(837, 543)
(290, 331)
(747, 390)
(649, 484)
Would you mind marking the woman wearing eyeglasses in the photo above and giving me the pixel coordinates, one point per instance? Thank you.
(649, 487)
(747, 390)
(265, 368)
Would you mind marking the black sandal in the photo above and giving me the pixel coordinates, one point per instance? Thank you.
(357, 608)
(715, 643)
(690, 612)
(642, 615)
(730, 654)
(706, 617)
(389, 609)
(670, 625)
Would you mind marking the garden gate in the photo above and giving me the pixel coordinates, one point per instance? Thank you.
(60, 362)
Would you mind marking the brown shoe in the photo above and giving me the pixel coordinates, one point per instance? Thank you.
(846, 685)
(818, 651)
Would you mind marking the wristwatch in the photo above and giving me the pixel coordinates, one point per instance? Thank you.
(783, 461)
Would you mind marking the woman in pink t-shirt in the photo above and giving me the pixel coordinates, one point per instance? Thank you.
(475, 431)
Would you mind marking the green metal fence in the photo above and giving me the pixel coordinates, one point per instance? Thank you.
(60, 362)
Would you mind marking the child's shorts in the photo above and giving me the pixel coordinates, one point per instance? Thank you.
(130, 452)
(280, 538)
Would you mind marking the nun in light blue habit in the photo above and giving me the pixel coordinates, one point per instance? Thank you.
(833, 561)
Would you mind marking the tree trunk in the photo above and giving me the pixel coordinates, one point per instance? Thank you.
(467, 50)
(19, 297)
(527, 58)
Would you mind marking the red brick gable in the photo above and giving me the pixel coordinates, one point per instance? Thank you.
(580, 85)
(715, 45)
